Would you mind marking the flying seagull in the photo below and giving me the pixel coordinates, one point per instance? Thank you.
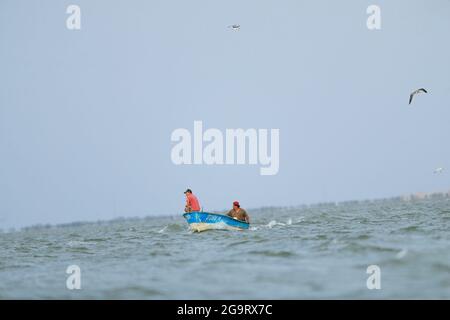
(439, 170)
(411, 96)
(235, 27)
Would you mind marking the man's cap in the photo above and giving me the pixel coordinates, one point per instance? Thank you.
(236, 203)
(188, 190)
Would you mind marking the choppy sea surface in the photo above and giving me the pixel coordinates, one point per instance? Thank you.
(307, 252)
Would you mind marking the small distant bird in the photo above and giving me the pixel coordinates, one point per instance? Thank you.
(235, 27)
(438, 170)
(411, 96)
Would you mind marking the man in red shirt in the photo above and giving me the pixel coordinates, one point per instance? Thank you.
(192, 203)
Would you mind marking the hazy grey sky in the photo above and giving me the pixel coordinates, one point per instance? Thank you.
(86, 115)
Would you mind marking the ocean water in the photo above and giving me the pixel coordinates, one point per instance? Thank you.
(315, 252)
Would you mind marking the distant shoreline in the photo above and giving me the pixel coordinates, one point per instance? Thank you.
(413, 197)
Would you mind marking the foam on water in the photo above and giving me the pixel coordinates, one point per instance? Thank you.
(401, 254)
(163, 230)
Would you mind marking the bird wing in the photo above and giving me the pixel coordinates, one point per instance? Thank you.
(411, 97)
(423, 90)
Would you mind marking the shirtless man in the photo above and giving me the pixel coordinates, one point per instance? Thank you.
(238, 213)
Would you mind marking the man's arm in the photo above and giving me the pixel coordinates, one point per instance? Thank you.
(246, 217)
(187, 206)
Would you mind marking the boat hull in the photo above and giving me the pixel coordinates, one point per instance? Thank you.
(202, 221)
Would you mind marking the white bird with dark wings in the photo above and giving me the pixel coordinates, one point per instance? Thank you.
(411, 96)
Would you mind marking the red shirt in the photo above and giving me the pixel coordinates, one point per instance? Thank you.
(193, 202)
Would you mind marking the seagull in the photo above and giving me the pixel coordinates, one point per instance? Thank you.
(421, 90)
(235, 27)
(438, 170)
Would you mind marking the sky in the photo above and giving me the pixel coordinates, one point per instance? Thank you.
(86, 116)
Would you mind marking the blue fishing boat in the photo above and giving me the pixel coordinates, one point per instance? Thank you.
(201, 221)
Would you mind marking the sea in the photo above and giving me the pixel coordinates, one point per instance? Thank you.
(383, 249)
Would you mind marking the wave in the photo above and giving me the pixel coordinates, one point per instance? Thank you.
(76, 243)
(274, 223)
(79, 246)
(410, 229)
(172, 227)
(272, 253)
(96, 239)
(401, 254)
